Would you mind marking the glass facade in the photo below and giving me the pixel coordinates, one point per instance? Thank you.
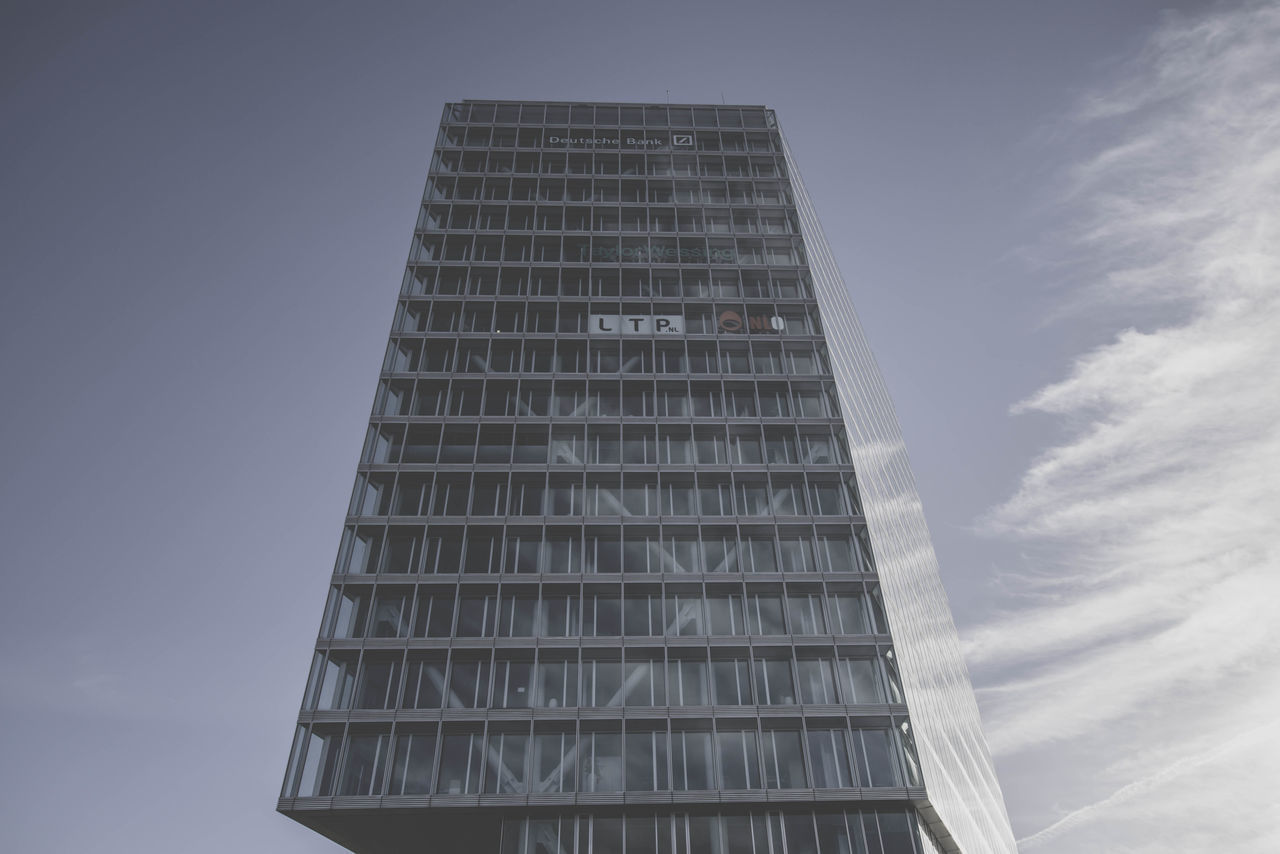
(613, 578)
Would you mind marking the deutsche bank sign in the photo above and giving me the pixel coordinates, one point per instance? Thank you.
(635, 324)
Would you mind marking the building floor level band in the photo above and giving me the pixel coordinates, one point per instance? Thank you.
(634, 562)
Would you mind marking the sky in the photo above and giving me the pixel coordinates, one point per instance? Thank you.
(1058, 222)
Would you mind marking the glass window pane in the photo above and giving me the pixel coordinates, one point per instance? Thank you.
(860, 681)
(731, 681)
(414, 757)
(687, 682)
(896, 833)
(829, 758)
(646, 762)
(882, 765)
(834, 836)
(553, 762)
(601, 762)
(557, 683)
(691, 761)
(319, 765)
(817, 680)
(773, 681)
(424, 684)
(783, 760)
(363, 765)
(461, 759)
(506, 763)
(800, 836)
(738, 760)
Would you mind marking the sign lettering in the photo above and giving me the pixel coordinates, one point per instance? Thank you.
(633, 325)
(732, 321)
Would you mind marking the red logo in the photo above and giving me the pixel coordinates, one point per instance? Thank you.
(731, 321)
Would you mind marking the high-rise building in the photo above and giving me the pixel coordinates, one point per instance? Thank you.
(634, 562)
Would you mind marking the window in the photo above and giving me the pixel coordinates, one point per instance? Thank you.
(753, 498)
(461, 761)
(424, 684)
(644, 683)
(516, 618)
(848, 614)
(414, 759)
(646, 762)
(563, 552)
(797, 554)
(787, 498)
(422, 444)
(601, 768)
(805, 613)
(731, 682)
(347, 613)
(758, 555)
(836, 554)
(379, 684)
(488, 498)
(642, 614)
(687, 682)
(783, 760)
(876, 758)
(764, 614)
(641, 552)
(746, 448)
(316, 755)
(556, 683)
(364, 764)
(677, 499)
(560, 615)
(817, 680)
(553, 761)
(679, 554)
(434, 618)
(675, 447)
(682, 614)
(738, 759)
(363, 548)
(332, 681)
(860, 681)
(715, 498)
(774, 684)
(451, 495)
(828, 499)
(800, 837)
(691, 760)
(468, 684)
(505, 759)
(601, 682)
(780, 447)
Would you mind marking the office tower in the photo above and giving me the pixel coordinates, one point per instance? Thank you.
(634, 561)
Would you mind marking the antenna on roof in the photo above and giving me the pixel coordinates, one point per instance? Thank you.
(722, 98)
(668, 97)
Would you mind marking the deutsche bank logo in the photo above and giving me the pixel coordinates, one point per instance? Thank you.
(682, 139)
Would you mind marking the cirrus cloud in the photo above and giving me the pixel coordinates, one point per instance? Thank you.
(1142, 670)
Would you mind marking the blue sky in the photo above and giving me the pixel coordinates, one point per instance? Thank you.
(1057, 224)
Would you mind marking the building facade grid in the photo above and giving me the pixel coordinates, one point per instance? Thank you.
(607, 587)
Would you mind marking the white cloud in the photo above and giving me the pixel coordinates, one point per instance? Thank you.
(1152, 635)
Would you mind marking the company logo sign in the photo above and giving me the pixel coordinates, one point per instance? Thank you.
(635, 325)
(619, 141)
(732, 321)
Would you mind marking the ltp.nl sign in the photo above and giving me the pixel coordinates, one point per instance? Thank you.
(635, 324)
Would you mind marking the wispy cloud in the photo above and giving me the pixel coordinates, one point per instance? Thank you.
(1151, 636)
(1182, 766)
